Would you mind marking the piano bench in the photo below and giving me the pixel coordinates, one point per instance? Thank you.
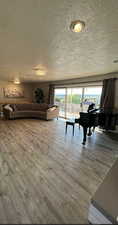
(71, 123)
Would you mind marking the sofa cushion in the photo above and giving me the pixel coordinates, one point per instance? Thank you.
(29, 114)
(31, 107)
(13, 106)
(40, 107)
(22, 107)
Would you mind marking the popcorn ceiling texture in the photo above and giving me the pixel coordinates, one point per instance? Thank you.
(37, 32)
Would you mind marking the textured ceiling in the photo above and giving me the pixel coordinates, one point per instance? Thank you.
(36, 33)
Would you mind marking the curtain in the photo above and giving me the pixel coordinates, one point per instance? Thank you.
(108, 95)
(51, 95)
(108, 117)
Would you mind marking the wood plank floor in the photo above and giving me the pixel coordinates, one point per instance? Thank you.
(47, 177)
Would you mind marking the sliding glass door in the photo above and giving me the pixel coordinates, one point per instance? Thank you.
(60, 100)
(71, 101)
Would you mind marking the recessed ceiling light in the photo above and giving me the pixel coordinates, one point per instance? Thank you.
(77, 26)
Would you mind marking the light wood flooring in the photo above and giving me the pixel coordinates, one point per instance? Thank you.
(47, 177)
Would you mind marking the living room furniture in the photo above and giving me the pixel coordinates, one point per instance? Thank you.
(13, 101)
(70, 123)
(104, 204)
(32, 110)
(87, 120)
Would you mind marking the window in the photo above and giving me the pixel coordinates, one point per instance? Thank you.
(91, 95)
(60, 96)
(71, 101)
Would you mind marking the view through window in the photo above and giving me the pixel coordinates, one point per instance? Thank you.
(71, 101)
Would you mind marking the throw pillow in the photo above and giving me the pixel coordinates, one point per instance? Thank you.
(8, 108)
(52, 108)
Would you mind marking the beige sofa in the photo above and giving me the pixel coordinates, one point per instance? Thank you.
(31, 110)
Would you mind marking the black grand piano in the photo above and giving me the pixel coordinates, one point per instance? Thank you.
(96, 117)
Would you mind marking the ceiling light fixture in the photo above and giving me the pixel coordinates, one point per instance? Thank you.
(17, 81)
(77, 26)
(40, 71)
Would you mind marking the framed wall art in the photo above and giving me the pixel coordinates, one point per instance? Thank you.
(13, 92)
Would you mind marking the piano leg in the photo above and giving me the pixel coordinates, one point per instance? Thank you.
(84, 133)
(93, 129)
(90, 132)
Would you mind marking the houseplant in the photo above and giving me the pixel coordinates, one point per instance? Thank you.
(39, 95)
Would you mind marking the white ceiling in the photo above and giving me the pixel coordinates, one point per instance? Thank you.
(36, 32)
